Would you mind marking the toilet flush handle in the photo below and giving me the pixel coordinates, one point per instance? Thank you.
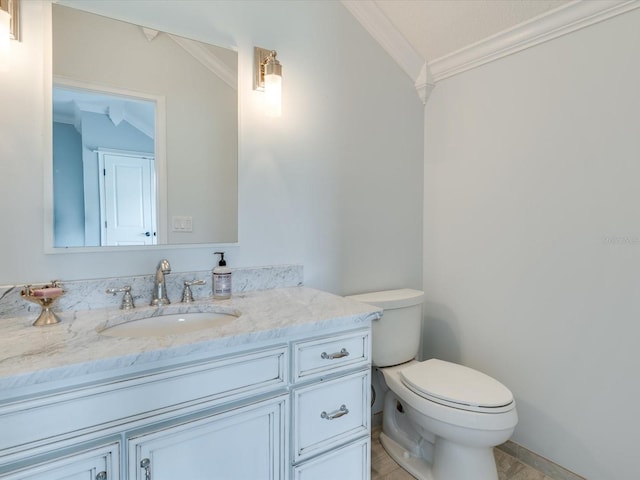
(331, 356)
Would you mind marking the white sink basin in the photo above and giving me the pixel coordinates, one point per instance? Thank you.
(169, 324)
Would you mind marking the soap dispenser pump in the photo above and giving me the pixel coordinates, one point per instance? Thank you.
(221, 279)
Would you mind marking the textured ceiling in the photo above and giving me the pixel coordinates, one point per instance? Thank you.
(435, 28)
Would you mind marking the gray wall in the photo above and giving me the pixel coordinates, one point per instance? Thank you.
(68, 188)
(532, 239)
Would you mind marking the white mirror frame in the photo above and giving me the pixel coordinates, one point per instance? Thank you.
(47, 161)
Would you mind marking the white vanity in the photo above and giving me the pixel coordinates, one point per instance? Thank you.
(281, 392)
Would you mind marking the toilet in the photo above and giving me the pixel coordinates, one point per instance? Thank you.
(441, 420)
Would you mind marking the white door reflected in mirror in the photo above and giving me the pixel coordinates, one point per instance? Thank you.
(127, 200)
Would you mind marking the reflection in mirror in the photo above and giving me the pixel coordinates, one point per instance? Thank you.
(111, 201)
(174, 101)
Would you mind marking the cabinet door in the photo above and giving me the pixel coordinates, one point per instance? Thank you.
(241, 444)
(351, 462)
(101, 463)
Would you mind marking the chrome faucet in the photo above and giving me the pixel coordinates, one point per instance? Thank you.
(159, 287)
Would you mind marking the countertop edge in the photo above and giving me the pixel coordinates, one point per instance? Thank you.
(269, 317)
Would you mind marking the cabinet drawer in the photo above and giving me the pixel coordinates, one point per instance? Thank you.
(330, 413)
(351, 462)
(28, 424)
(331, 354)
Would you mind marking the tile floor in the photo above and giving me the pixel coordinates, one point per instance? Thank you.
(384, 468)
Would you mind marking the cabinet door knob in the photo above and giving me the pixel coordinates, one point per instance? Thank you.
(101, 476)
(337, 414)
(146, 464)
(331, 356)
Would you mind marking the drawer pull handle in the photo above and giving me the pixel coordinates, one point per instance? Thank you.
(101, 476)
(146, 464)
(337, 414)
(331, 356)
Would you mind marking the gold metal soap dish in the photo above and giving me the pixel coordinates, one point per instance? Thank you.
(45, 296)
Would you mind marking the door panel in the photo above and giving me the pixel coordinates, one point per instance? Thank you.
(245, 443)
(128, 200)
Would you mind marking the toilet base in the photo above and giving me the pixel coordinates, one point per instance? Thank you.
(427, 456)
(416, 466)
(454, 462)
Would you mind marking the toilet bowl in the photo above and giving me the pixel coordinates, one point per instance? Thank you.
(436, 436)
(441, 420)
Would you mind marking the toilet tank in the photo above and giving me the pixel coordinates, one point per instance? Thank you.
(396, 336)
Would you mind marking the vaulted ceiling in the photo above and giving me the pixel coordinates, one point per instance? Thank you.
(435, 39)
(435, 28)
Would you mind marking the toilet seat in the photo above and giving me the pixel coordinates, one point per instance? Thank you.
(456, 386)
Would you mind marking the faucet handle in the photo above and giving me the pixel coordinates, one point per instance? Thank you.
(187, 295)
(127, 299)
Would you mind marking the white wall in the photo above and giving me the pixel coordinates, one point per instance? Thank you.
(532, 239)
(334, 184)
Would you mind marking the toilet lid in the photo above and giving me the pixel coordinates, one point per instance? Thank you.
(455, 384)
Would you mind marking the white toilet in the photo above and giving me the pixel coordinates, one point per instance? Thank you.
(440, 420)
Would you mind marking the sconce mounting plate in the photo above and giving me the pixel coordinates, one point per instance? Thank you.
(260, 56)
(12, 6)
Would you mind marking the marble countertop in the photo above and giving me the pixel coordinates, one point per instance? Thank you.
(31, 357)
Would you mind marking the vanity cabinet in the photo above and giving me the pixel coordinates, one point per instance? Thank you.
(192, 400)
(296, 407)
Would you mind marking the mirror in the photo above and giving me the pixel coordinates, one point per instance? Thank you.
(104, 169)
(145, 136)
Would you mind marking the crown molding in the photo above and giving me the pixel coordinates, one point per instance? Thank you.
(553, 24)
(149, 33)
(424, 83)
(425, 74)
(209, 59)
(385, 33)
(206, 57)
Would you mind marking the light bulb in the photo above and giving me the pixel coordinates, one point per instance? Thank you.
(273, 95)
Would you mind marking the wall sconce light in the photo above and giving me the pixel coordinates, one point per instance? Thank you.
(267, 77)
(8, 29)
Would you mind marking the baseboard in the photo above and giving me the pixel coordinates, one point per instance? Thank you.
(546, 466)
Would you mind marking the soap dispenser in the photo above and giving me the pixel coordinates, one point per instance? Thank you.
(221, 279)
